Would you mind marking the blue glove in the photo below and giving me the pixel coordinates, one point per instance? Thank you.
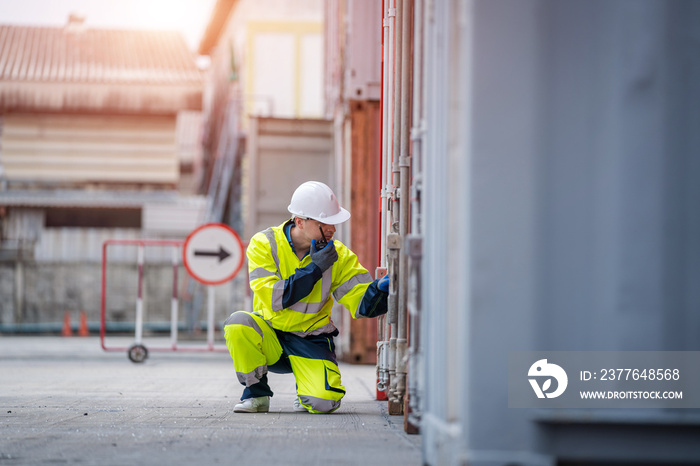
(383, 284)
(325, 257)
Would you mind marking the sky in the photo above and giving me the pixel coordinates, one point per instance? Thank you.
(187, 16)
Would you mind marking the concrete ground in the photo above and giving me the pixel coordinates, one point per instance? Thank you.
(66, 401)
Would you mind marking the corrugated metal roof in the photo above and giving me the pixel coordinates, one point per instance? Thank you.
(82, 55)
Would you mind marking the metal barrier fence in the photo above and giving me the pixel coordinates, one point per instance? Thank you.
(138, 352)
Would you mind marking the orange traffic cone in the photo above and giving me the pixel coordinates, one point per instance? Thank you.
(67, 331)
(83, 329)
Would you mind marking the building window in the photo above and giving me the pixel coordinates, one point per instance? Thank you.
(93, 218)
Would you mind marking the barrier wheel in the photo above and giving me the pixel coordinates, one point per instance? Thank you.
(138, 353)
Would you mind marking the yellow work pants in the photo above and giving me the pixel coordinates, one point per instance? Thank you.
(257, 348)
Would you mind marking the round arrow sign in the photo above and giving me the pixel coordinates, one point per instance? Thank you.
(213, 253)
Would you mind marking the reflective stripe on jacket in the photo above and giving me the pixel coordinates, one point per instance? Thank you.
(271, 261)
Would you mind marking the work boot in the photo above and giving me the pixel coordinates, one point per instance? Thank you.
(260, 404)
(298, 407)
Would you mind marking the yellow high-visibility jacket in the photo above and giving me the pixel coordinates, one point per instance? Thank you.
(272, 261)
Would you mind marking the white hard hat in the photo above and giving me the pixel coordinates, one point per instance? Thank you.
(315, 200)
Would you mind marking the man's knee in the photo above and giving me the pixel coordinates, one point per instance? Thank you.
(240, 320)
(319, 405)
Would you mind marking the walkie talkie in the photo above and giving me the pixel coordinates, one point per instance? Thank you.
(320, 244)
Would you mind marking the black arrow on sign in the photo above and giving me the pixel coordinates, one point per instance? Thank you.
(221, 254)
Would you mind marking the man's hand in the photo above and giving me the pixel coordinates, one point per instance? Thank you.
(383, 284)
(325, 257)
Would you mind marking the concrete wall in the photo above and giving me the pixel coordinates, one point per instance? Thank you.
(48, 290)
